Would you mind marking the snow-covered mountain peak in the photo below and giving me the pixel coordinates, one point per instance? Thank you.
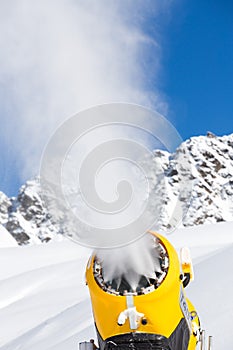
(26, 217)
(211, 160)
(198, 177)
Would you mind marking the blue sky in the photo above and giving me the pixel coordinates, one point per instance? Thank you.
(198, 68)
(188, 65)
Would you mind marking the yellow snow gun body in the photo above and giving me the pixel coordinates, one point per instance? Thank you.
(157, 315)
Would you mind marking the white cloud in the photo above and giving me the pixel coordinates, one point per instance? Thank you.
(60, 56)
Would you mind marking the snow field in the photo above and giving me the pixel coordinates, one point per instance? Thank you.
(44, 303)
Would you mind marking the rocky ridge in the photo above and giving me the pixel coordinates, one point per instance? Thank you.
(197, 183)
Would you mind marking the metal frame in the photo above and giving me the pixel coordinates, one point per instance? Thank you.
(203, 341)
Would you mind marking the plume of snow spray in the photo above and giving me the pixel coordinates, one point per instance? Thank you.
(61, 57)
(105, 197)
(140, 258)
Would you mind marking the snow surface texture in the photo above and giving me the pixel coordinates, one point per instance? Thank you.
(44, 303)
(6, 238)
(203, 165)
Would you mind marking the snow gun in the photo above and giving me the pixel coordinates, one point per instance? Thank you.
(157, 315)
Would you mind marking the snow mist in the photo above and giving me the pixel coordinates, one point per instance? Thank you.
(65, 56)
(140, 258)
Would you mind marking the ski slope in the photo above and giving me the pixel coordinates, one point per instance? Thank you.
(44, 303)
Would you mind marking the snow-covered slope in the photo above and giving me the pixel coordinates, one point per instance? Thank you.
(43, 298)
(212, 294)
(6, 239)
(44, 302)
